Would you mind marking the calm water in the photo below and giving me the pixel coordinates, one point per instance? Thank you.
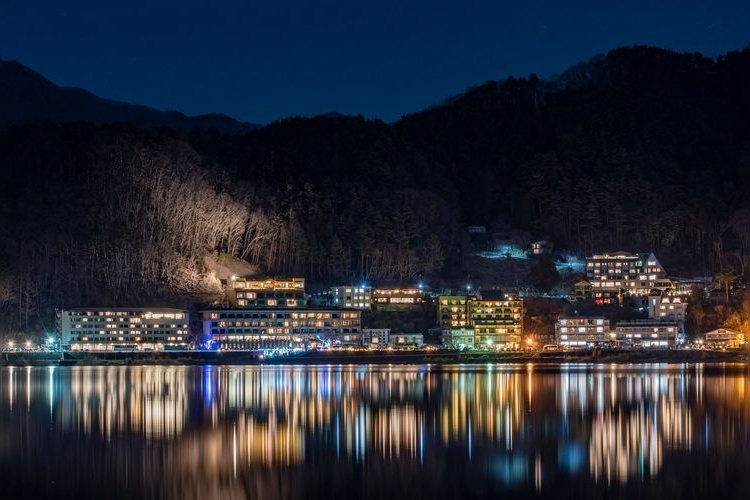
(644, 431)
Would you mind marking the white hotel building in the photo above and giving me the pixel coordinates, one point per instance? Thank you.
(647, 333)
(612, 274)
(668, 308)
(580, 331)
(125, 329)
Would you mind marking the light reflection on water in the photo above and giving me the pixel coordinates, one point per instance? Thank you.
(373, 431)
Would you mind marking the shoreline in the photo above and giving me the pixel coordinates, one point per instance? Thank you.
(189, 358)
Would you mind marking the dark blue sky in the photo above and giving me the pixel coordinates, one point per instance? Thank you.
(261, 61)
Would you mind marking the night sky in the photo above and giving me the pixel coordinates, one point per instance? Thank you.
(261, 61)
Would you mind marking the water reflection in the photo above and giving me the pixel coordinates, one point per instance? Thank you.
(358, 431)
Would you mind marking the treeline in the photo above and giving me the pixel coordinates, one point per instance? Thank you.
(118, 216)
(641, 149)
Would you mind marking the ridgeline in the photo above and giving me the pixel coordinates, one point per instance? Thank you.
(641, 148)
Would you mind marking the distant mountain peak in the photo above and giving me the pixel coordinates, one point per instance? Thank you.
(27, 96)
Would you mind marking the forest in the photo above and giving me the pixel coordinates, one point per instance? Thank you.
(641, 149)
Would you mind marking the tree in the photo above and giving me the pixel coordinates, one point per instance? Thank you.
(543, 274)
(726, 279)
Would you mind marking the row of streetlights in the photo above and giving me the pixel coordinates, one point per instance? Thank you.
(28, 345)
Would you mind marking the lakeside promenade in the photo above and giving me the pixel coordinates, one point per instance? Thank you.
(367, 357)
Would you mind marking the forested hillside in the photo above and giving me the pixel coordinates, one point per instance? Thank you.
(641, 149)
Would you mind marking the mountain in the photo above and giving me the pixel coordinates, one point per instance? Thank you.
(641, 149)
(26, 96)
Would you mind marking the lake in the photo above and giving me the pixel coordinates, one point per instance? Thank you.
(453, 431)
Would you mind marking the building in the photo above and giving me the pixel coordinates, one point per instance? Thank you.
(496, 323)
(376, 338)
(458, 338)
(613, 274)
(123, 329)
(724, 337)
(292, 328)
(605, 296)
(686, 286)
(541, 247)
(582, 291)
(280, 293)
(452, 311)
(406, 340)
(647, 333)
(351, 297)
(394, 299)
(580, 331)
(668, 308)
(665, 286)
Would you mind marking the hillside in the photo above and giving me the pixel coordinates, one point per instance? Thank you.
(641, 149)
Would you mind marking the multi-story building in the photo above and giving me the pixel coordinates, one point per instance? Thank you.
(582, 291)
(268, 293)
(351, 297)
(376, 338)
(458, 338)
(452, 311)
(580, 331)
(686, 286)
(668, 308)
(613, 274)
(281, 328)
(126, 329)
(397, 298)
(647, 333)
(406, 340)
(724, 337)
(496, 323)
(665, 285)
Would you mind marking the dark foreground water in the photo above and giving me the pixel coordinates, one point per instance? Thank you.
(498, 431)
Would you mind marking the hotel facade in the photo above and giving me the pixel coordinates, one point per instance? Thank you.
(351, 297)
(251, 329)
(376, 338)
(647, 333)
(468, 322)
(724, 337)
(125, 329)
(578, 331)
(395, 299)
(668, 308)
(497, 323)
(613, 274)
(281, 293)
(452, 311)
